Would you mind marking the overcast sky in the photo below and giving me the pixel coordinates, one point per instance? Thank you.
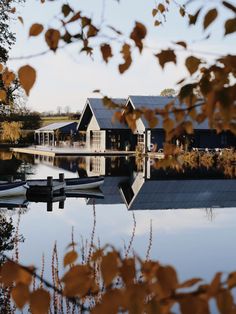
(67, 78)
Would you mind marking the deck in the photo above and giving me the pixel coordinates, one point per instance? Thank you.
(67, 151)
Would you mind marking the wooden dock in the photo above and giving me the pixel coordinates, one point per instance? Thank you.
(46, 187)
(60, 152)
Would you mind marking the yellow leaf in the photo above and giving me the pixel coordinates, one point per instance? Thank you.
(27, 77)
(52, 37)
(215, 285)
(35, 29)
(20, 295)
(3, 95)
(8, 77)
(1, 67)
(189, 283)
(168, 124)
(210, 17)
(40, 301)
(188, 126)
(70, 258)
(192, 63)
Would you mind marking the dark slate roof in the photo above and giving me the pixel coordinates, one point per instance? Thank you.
(174, 194)
(154, 102)
(55, 126)
(104, 115)
(110, 190)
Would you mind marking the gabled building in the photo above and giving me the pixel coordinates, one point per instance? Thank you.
(54, 133)
(153, 138)
(100, 131)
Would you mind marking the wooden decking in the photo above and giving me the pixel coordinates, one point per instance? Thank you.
(59, 152)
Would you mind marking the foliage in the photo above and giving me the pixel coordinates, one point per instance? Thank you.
(29, 120)
(110, 283)
(11, 131)
(168, 92)
(214, 82)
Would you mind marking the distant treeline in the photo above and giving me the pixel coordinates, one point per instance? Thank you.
(30, 121)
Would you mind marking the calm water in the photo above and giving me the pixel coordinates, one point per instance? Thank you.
(198, 241)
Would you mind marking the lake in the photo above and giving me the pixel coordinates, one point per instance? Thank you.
(197, 238)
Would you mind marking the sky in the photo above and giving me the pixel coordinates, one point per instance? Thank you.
(67, 78)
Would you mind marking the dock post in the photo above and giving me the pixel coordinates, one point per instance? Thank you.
(50, 184)
(49, 206)
(61, 179)
(61, 204)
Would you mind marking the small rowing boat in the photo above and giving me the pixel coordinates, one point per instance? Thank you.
(86, 183)
(13, 202)
(13, 188)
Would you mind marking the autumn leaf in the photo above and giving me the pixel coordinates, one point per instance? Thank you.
(3, 95)
(109, 267)
(20, 18)
(229, 6)
(1, 67)
(52, 37)
(8, 77)
(66, 10)
(35, 29)
(106, 52)
(161, 8)
(230, 26)
(138, 34)
(182, 11)
(70, 258)
(193, 18)
(181, 43)
(192, 63)
(154, 12)
(75, 17)
(20, 295)
(9, 273)
(166, 56)
(127, 58)
(27, 77)
(210, 17)
(40, 301)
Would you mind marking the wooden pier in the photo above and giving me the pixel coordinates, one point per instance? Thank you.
(47, 187)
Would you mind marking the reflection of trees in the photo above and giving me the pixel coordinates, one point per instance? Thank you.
(6, 244)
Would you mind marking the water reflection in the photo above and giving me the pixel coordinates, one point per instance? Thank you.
(140, 186)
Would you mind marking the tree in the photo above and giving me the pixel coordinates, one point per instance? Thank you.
(169, 92)
(213, 82)
(11, 131)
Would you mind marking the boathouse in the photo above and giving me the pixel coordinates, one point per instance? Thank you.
(153, 138)
(99, 131)
(55, 133)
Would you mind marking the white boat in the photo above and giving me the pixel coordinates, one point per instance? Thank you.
(13, 189)
(93, 193)
(86, 183)
(14, 202)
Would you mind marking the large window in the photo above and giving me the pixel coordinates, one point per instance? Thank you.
(96, 139)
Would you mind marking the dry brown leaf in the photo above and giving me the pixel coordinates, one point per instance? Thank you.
(27, 77)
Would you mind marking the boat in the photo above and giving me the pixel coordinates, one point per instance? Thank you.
(13, 188)
(13, 202)
(86, 183)
(93, 193)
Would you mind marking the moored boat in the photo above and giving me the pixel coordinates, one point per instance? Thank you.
(13, 189)
(86, 183)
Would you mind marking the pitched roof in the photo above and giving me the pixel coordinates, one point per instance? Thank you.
(153, 102)
(174, 194)
(104, 115)
(55, 126)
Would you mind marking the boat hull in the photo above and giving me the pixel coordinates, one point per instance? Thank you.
(13, 189)
(83, 184)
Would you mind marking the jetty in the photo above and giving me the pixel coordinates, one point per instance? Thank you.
(47, 187)
(67, 151)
